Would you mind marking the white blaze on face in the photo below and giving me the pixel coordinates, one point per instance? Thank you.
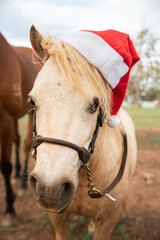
(62, 112)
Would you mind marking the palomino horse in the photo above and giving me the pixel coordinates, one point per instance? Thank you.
(17, 74)
(67, 97)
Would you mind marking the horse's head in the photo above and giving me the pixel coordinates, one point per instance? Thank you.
(67, 93)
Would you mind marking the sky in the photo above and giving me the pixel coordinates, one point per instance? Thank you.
(55, 17)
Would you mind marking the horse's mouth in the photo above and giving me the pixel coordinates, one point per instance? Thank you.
(52, 209)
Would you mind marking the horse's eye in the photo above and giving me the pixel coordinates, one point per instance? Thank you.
(93, 106)
(32, 102)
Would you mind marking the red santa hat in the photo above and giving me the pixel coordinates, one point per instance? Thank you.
(113, 54)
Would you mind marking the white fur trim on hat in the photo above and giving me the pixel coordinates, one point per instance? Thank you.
(98, 52)
(113, 121)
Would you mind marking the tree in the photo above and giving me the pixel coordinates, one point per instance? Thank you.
(145, 75)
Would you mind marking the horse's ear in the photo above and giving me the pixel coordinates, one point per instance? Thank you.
(36, 40)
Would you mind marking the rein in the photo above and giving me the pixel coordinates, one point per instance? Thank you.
(83, 153)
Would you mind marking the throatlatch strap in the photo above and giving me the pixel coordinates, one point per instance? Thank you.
(121, 169)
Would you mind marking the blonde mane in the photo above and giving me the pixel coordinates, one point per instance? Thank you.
(74, 66)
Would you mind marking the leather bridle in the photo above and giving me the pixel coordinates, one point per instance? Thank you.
(83, 153)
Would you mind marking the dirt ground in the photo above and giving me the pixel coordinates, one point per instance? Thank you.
(141, 223)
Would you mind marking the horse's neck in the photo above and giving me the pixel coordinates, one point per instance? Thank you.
(106, 145)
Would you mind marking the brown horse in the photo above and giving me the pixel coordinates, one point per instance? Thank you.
(17, 74)
(69, 99)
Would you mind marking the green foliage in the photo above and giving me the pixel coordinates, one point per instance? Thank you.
(144, 139)
(44, 222)
(145, 117)
(123, 230)
(4, 229)
(81, 220)
(85, 235)
(27, 236)
(79, 223)
(145, 75)
(151, 94)
(147, 139)
(141, 161)
(138, 220)
(72, 226)
(155, 164)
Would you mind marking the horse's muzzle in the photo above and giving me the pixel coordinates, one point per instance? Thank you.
(54, 197)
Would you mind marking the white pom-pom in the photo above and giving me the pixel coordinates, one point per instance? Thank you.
(113, 121)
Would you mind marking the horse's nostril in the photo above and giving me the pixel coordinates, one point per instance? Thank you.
(66, 191)
(33, 181)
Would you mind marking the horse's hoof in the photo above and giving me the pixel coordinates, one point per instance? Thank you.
(9, 220)
(21, 192)
(15, 181)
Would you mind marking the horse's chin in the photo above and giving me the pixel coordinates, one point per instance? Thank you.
(59, 210)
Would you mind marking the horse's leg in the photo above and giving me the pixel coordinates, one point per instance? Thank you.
(27, 148)
(91, 228)
(17, 175)
(61, 225)
(104, 227)
(6, 137)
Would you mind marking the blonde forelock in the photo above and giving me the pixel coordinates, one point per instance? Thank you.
(74, 66)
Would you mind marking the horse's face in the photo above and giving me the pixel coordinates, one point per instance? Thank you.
(65, 113)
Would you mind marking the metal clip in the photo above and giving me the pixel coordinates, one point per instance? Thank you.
(95, 193)
(34, 153)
